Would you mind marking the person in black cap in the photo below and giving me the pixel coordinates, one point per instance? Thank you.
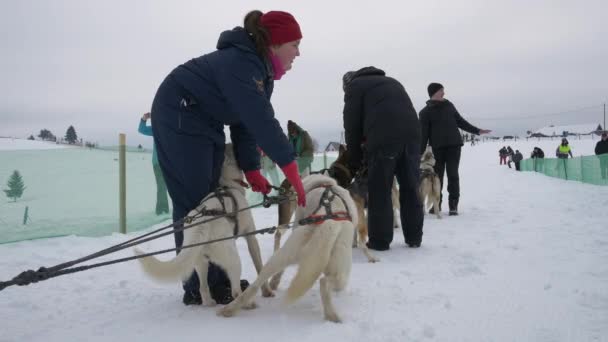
(601, 149)
(440, 122)
(378, 110)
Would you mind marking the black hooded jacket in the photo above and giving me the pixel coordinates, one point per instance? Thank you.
(378, 109)
(440, 122)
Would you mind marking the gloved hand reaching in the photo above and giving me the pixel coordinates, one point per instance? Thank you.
(257, 181)
(291, 173)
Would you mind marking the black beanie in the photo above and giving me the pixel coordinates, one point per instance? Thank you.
(433, 88)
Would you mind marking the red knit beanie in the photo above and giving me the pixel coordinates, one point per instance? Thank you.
(281, 26)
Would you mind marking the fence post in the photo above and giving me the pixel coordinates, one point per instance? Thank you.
(25, 215)
(122, 183)
(325, 159)
(582, 174)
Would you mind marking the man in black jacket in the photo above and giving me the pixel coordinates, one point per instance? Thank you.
(517, 158)
(440, 122)
(378, 110)
(601, 149)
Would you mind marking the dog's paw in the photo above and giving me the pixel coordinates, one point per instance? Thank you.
(209, 302)
(250, 306)
(226, 311)
(333, 318)
(373, 260)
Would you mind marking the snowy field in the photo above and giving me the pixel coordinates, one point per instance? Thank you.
(527, 260)
(11, 144)
(75, 190)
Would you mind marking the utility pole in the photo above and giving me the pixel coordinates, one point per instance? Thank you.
(605, 129)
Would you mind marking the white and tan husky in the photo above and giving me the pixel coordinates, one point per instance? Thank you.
(320, 250)
(223, 253)
(430, 185)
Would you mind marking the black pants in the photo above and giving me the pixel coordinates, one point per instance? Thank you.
(385, 163)
(517, 166)
(191, 164)
(448, 159)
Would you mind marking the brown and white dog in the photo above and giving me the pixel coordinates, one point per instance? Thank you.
(430, 185)
(322, 250)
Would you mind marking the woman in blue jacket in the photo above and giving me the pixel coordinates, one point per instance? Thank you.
(162, 204)
(230, 86)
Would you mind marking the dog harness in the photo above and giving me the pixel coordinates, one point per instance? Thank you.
(325, 202)
(220, 193)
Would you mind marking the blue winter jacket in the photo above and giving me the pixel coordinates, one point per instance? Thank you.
(232, 86)
(147, 130)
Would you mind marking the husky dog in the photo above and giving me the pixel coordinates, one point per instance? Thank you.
(340, 172)
(430, 185)
(321, 249)
(223, 253)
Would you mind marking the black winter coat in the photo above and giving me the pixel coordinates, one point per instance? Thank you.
(518, 157)
(377, 109)
(601, 147)
(440, 122)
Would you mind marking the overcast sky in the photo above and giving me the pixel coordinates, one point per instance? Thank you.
(509, 66)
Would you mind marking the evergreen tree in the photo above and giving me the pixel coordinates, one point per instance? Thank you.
(31, 138)
(70, 135)
(15, 186)
(45, 134)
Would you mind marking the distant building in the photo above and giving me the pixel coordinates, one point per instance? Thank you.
(332, 147)
(564, 131)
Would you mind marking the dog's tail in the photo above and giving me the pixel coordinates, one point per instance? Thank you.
(179, 267)
(315, 257)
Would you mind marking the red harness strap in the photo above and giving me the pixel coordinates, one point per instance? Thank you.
(320, 219)
(329, 215)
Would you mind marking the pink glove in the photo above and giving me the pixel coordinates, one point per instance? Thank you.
(257, 181)
(291, 173)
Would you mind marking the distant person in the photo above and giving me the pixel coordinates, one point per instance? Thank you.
(563, 150)
(502, 153)
(303, 146)
(510, 154)
(538, 156)
(162, 203)
(517, 158)
(601, 149)
(537, 153)
(440, 122)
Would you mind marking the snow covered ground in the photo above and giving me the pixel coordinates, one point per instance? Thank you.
(527, 260)
(12, 144)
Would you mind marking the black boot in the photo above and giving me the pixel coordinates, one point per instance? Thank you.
(192, 298)
(222, 293)
(453, 207)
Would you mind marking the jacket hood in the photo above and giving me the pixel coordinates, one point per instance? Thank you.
(237, 37)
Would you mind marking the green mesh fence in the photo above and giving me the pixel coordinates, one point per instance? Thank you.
(74, 191)
(587, 169)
